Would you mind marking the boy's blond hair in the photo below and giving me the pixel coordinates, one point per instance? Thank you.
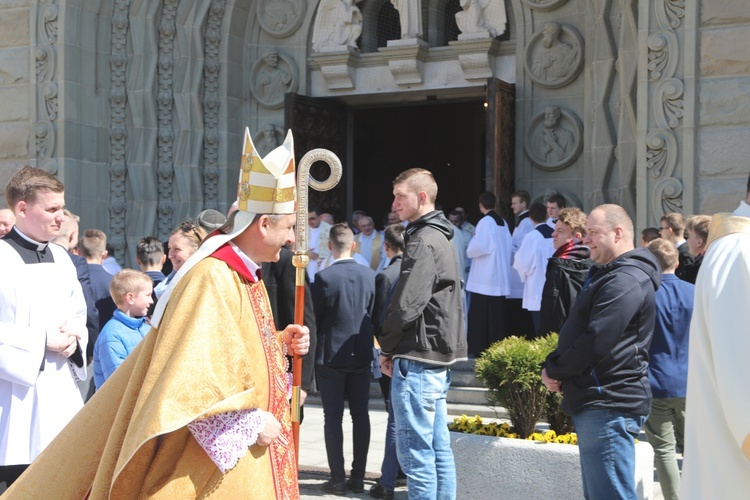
(574, 218)
(127, 281)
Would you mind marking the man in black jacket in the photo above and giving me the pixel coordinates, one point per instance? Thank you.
(601, 361)
(423, 335)
(566, 270)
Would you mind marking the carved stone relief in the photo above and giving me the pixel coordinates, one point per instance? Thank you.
(554, 138)
(543, 5)
(165, 101)
(281, 18)
(338, 24)
(211, 67)
(667, 106)
(117, 126)
(47, 90)
(269, 139)
(274, 75)
(554, 55)
(481, 18)
(410, 17)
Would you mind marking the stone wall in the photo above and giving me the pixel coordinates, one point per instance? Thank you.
(15, 74)
(723, 139)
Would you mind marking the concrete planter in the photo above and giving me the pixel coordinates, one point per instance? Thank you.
(492, 467)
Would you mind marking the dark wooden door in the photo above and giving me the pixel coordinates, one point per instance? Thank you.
(320, 123)
(500, 160)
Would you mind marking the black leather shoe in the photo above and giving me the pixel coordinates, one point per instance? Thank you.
(357, 486)
(378, 491)
(400, 478)
(335, 488)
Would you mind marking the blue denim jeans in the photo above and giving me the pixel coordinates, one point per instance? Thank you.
(423, 443)
(606, 442)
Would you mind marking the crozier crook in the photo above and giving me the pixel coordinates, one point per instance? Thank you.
(300, 259)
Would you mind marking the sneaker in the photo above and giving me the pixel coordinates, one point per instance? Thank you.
(378, 491)
(335, 488)
(357, 486)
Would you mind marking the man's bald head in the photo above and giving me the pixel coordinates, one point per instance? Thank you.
(616, 216)
(7, 220)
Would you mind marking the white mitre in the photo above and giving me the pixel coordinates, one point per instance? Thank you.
(266, 186)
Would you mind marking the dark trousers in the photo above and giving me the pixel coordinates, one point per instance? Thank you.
(9, 474)
(486, 322)
(518, 320)
(335, 386)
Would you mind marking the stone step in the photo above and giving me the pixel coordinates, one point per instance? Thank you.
(461, 400)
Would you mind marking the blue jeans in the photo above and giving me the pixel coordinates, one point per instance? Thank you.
(606, 442)
(423, 443)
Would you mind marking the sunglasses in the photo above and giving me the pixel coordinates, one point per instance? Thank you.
(188, 226)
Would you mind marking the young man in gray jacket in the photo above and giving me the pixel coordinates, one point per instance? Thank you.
(423, 334)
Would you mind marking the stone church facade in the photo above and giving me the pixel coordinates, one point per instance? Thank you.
(140, 106)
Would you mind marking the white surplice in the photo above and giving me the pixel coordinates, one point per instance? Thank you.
(38, 391)
(718, 393)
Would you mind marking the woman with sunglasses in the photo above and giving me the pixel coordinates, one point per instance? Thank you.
(183, 243)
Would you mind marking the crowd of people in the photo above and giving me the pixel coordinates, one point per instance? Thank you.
(401, 305)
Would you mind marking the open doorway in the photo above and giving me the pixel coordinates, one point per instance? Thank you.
(447, 139)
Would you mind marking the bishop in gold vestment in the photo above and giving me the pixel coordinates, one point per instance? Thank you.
(183, 416)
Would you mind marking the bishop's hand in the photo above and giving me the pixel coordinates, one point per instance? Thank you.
(297, 339)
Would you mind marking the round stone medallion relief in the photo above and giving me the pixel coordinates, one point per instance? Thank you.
(273, 75)
(554, 138)
(281, 18)
(543, 4)
(554, 55)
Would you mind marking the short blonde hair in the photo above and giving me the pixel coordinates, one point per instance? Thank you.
(665, 252)
(574, 218)
(125, 282)
(418, 180)
(699, 224)
(93, 243)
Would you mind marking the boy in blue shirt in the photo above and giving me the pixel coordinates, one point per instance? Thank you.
(131, 291)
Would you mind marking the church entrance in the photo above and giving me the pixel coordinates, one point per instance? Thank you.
(446, 138)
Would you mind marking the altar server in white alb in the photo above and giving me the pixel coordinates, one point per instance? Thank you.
(489, 277)
(42, 324)
(717, 415)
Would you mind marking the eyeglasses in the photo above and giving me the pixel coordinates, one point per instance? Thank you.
(188, 226)
(663, 228)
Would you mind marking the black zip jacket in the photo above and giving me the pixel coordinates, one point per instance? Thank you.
(425, 316)
(563, 282)
(602, 353)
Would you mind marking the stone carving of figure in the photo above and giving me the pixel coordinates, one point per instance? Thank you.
(338, 23)
(554, 59)
(280, 14)
(481, 16)
(410, 15)
(270, 139)
(273, 80)
(552, 142)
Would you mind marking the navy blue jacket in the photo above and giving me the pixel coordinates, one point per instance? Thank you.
(602, 352)
(667, 368)
(100, 280)
(344, 295)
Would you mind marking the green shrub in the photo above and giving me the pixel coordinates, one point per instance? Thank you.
(511, 371)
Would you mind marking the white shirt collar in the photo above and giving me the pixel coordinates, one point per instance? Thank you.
(743, 210)
(40, 246)
(251, 266)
